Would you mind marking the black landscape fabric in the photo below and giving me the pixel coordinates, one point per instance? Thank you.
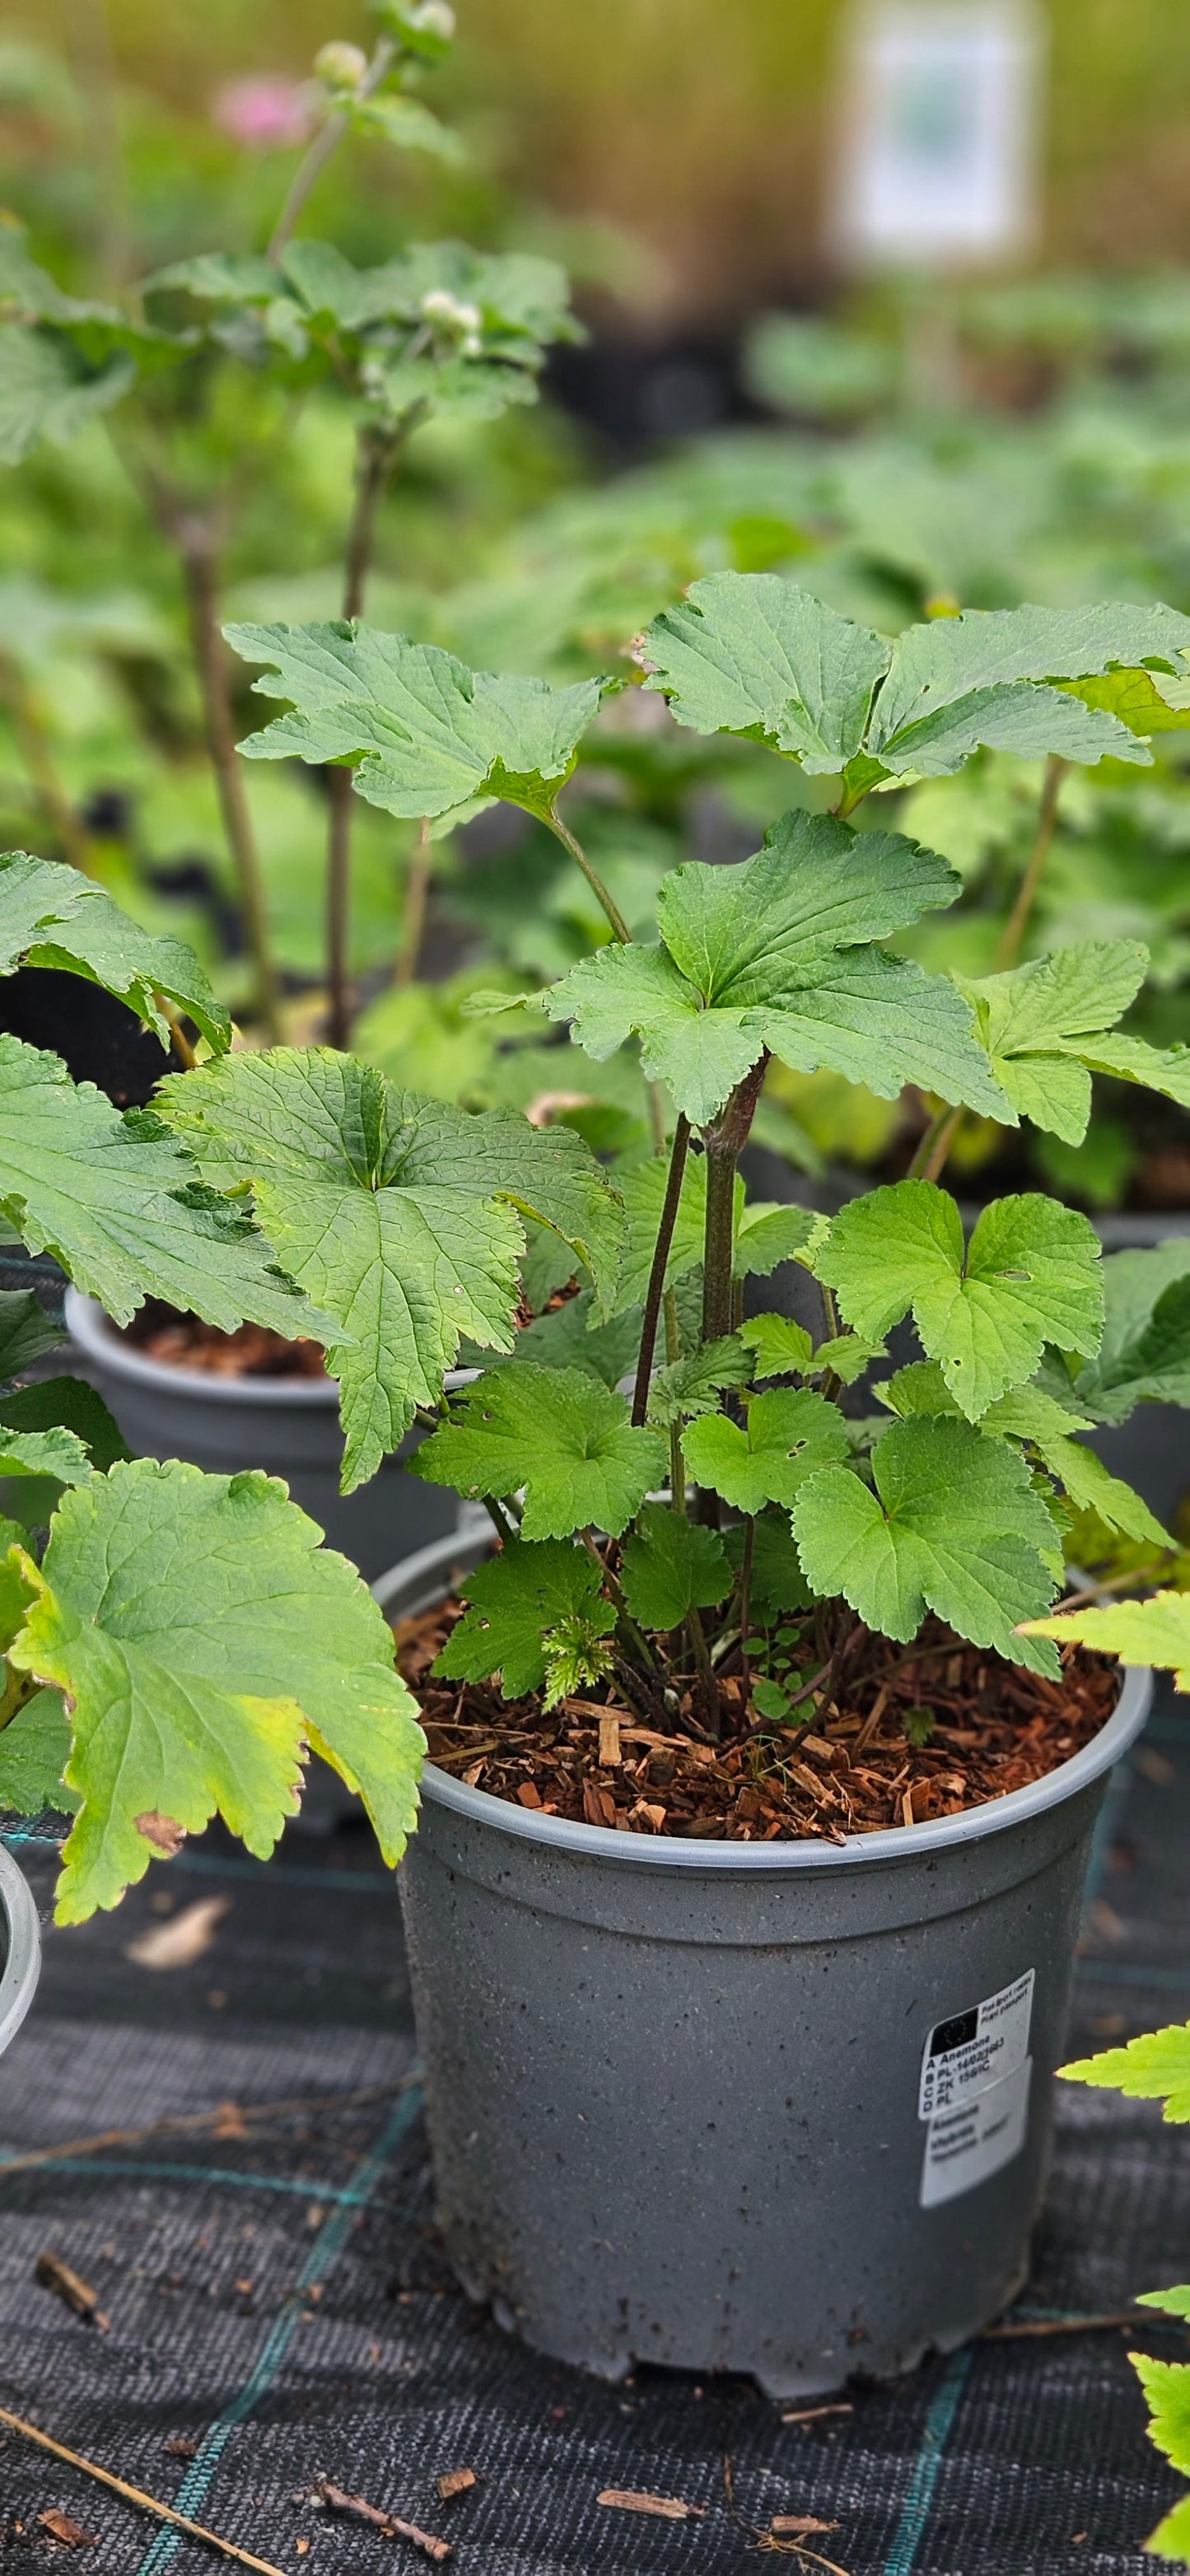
(277, 2312)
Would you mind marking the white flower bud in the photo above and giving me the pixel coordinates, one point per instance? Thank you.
(449, 313)
(340, 66)
(434, 18)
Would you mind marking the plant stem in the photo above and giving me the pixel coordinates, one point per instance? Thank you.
(563, 833)
(413, 914)
(499, 1519)
(935, 1145)
(661, 1251)
(709, 1687)
(376, 451)
(724, 1141)
(314, 162)
(616, 1597)
(746, 1602)
(1015, 926)
(202, 594)
(180, 1042)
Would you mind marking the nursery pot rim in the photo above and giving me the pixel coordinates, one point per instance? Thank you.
(99, 1339)
(22, 1966)
(420, 1575)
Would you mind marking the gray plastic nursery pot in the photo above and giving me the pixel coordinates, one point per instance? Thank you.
(20, 1949)
(288, 1426)
(779, 2108)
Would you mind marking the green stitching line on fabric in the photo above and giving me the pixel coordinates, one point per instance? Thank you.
(59, 2166)
(200, 2476)
(915, 2512)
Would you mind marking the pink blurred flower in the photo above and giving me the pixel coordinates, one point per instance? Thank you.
(266, 112)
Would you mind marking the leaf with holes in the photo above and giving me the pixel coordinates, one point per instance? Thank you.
(555, 1433)
(204, 1638)
(779, 952)
(1030, 1275)
(789, 1433)
(51, 916)
(427, 732)
(400, 1213)
(954, 1526)
(514, 1602)
(672, 1565)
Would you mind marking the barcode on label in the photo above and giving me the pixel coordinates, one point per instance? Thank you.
(973, 2050)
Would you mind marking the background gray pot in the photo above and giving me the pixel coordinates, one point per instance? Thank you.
(288, 1426)
(20, 1949)
(780, 2108)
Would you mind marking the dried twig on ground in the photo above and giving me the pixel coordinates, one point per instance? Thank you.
(325, 2492)
(53, 2274)
(136, 2495)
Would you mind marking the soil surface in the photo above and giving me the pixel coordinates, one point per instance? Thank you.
(159, 1332)
(988, 1727)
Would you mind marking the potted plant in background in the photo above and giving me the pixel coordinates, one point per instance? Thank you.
(438, 332)
(232, 1645)
(741, 1984)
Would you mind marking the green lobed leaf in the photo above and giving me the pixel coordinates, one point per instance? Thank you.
(569, 1336)
(954, 1526)
(670, 1566)
(556, 1433)
(204, 1638)
(1167, 2387)
(428, 732)
(1171, 2539)
(693, 1385)
(778, 952)
(514, 1601)
(47, 391)
(400, 1213)
(1028, 1276)
(780, 1348)
(752, 654)
(1154, 2067)
(34, 1750)
(56, 1452)
(1156, 1631)
(788, 1435)
(1031, 1413)
(958, 682)
(1047, 1027)
(26, 1331)
(120, 1205)
(52, 916)
(73, 1404)
(778, 1583)
(1144, 1356)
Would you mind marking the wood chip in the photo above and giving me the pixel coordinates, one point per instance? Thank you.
(785, 2525)
(183, 1939)
(528, 1795)
(455, 2482)
(65, 2528)
(53, 2274)
(610, 1756)
(667, 2508)
(818, 1746)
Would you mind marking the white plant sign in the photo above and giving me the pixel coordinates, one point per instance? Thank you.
(937, 165)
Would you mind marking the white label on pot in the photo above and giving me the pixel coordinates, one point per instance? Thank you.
(965, 2145)
(973, 2050)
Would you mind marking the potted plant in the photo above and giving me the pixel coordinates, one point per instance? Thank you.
(437, 332)
(740, 2004)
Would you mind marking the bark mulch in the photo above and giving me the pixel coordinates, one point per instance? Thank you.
(988, 1727)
